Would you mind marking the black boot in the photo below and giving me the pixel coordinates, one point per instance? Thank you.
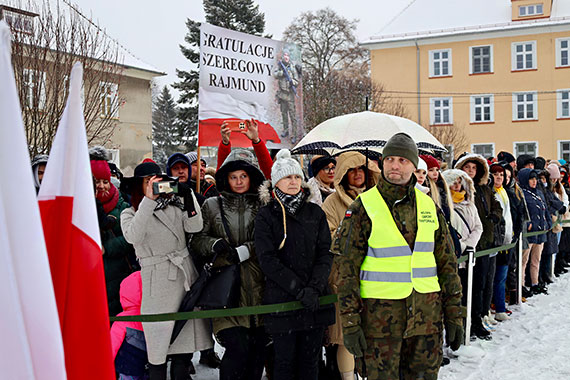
(180, 367)
(479, 331)
(157, 372)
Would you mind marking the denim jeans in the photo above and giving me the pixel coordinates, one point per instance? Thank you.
(499, 288)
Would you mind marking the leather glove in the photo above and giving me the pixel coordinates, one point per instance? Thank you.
(354, 340)
(222, 248)
(454, 335)
(309, 297)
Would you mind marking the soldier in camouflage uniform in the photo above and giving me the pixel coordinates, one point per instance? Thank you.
(287, 77)
(397, 337)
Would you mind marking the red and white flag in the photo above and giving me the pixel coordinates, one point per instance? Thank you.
(30, 338)
(69, 217)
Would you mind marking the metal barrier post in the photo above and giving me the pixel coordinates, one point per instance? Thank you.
(521, 271)
(470, 264)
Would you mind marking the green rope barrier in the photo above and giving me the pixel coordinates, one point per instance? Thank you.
(275, 308)
(235, 312)
(508, 246)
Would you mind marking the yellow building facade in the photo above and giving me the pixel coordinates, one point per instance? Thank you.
(505, 83)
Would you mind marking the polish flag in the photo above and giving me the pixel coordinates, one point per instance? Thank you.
(30, 338)
(69, 217)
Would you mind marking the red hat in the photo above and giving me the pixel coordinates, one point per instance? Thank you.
(431, 162)
(100, 170)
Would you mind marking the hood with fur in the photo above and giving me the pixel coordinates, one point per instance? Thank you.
(266, 190)
(451, 175)
(482, 176)
(99, 153)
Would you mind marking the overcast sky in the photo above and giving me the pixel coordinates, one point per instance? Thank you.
(153, 30)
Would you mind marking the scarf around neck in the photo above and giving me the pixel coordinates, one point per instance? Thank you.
(292, 203)
(457, 196)
(109, 199)
(354, 191)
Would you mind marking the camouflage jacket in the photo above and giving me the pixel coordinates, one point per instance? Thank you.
(418, 314)
(285, 92)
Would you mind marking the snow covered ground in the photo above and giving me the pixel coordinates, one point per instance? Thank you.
(534, 344)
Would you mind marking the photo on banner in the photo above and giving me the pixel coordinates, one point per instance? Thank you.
(249, 77)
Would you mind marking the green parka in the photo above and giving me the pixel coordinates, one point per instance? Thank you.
(240, 211)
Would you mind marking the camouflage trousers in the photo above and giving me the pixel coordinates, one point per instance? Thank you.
(390, 358)
(288, 111)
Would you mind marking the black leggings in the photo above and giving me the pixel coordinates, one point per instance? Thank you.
(297, 354)
(245, 353)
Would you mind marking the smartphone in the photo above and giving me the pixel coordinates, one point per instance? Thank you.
(237, 125)
(165, 187)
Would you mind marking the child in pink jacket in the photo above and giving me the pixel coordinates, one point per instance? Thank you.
(127, 338)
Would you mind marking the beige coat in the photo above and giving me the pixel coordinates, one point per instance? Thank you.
(335, 207)
(159, 238)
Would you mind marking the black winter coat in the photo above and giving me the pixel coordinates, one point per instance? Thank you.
(305, 260)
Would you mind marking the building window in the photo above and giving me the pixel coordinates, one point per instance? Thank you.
(482, 109)
(530, 148)
(109, 100)
(530, 10)
(440, 63)
(485, 150)
(481, 59)
(441, 111)
(524, 106)
(562, 50)
(565, 150)
(563, 103)
(34, 83)
(19, 22)
(523, 55)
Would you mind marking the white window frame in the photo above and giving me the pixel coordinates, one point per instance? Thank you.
(471, 66)
(115, 156)
(432, 62)
(109, 100)
(516, 153)
(559, 51)
(478, 144)
(560, 151)
(531, 10)
(32, 98)
(474, 106)
(432, 109)
(560, 102)
(526, 102)
(514, 54)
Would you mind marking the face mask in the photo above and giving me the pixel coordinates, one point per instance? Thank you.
(544, 184)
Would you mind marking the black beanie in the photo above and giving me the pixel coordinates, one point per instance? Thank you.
(320, 162)
(401, 145)
(506, 156)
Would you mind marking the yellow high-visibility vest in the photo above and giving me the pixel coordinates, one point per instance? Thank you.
(390, 269)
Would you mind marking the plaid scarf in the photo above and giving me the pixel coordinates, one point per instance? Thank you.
(165, 200)
(292, 203)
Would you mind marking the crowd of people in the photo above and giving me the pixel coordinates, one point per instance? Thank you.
(383, 233)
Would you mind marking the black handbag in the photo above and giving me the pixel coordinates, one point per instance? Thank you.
(215, 288)
(222, 287)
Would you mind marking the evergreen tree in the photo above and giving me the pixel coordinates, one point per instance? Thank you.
(240, 15)
(165, 127)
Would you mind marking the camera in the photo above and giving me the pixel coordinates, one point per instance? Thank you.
(165, 187)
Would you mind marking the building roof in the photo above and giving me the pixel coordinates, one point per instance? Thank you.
(435, 18)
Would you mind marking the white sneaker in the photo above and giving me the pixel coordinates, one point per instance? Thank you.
(502, 317)
(492, 319)
(487, 324)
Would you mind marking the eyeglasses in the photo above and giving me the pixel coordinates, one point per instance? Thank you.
(329, 170)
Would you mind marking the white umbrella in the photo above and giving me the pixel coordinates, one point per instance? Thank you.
(358, 131)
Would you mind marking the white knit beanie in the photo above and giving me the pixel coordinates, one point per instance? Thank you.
(284, 166)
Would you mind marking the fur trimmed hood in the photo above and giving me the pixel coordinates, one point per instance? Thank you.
(451, 175)
(99, 153)
(265, 192)
(482, 177)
